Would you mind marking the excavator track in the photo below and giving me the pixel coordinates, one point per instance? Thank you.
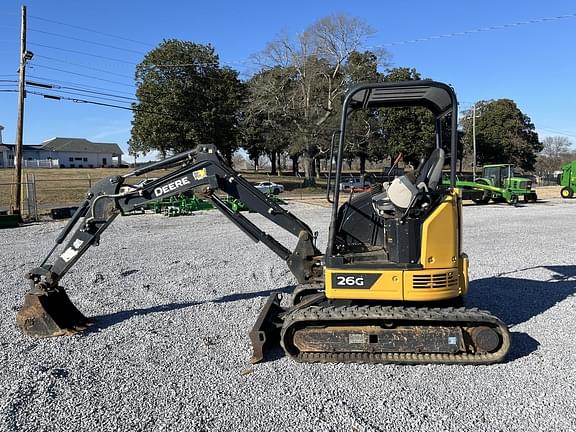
(393, 334)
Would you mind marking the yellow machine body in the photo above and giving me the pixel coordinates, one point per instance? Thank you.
(443, 270)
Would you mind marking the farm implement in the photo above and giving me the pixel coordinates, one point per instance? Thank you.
(568, 180)
(499, 184)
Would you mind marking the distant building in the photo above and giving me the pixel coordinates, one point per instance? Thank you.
(63, 153)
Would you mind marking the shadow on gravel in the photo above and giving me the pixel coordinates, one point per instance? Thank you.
(522, 345)
(105, 321)
(516, 300)
(243, 296)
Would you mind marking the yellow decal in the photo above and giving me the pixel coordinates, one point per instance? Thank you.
(200, 174)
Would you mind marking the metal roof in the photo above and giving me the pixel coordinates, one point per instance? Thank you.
(80, 145)
(76, 145)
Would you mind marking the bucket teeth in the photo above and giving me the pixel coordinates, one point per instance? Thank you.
(50, 313)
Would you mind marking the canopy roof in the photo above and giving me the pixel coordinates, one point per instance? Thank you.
(436, 96)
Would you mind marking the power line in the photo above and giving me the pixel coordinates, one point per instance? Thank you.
(88, 42)
(167, 65)
(57, 97)
(570, 134)
(77, 84)
(84, 101)
(480, 30)
(82, 66)
(55, 86)
(219, 63)
(82, 53)
(91, 30)
(73, 93)
(82, 75)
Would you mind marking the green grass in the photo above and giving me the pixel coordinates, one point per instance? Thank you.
(55, 187)
(67, 187)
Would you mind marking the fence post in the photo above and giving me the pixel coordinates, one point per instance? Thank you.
(31, 203)
(27, 189)
(34, 198)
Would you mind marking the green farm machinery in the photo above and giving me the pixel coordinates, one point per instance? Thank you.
(499, 184)
(179, 205)
(568, 180)
(183, 205)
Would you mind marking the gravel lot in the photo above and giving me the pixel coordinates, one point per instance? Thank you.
(174, 299)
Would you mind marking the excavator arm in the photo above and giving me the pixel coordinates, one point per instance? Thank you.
(48, 310)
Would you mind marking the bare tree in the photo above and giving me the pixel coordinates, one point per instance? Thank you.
(317, 57)
(238, 161)
(553, 154)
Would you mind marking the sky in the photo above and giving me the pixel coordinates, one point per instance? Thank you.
(524, 51)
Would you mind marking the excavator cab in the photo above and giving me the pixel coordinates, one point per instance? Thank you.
(379, 294)
(394, 273)
(404, 234)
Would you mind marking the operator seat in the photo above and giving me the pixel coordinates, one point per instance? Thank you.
(431, 172)
(405, 190)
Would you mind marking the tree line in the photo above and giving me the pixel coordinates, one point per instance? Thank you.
(291, 105)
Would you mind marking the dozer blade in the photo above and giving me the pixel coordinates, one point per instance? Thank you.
(266, 330)
(50, 313)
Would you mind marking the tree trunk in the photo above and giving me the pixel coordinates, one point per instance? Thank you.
(295, 164)
(362, 164)
(279, 157)
(309, 170)
(272, 156)
(228, 156)
(308, 159)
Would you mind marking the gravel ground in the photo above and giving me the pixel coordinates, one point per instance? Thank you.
(174, 299)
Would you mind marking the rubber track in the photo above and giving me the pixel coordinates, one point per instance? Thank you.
(451, 316)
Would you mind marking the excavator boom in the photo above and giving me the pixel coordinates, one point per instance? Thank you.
(47, 309)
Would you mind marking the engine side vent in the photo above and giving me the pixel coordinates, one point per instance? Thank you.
(437, 280)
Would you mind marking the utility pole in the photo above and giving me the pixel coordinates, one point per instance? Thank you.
(25, 55)
(474, 142)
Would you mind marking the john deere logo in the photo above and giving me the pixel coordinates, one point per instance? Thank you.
(161, 190)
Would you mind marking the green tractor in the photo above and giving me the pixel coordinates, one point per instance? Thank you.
(568, 180)
(498, 183)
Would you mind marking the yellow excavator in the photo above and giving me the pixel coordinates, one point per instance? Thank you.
(389, 287)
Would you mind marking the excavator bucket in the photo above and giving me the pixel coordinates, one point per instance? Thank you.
(50, 313)
(266, 330)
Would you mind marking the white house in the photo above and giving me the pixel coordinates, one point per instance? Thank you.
(64, 153)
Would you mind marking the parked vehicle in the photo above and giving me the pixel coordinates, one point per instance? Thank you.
(269, 187)
(354, 184)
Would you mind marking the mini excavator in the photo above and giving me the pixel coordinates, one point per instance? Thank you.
(389, 287)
